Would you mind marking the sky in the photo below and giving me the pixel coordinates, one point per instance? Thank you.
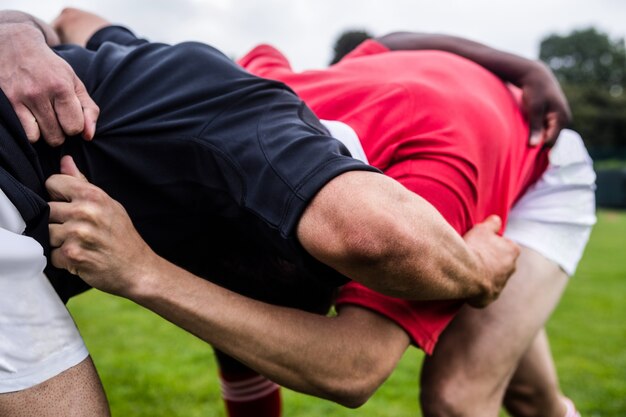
(305, 30)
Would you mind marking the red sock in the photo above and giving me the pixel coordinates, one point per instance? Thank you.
(245, 392)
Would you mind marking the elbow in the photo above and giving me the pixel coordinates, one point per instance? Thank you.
(352, 386)
(377, 241)
(351, 392)
(354, 400)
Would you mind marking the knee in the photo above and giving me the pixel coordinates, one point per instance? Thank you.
(529, 401)
(453, 395)
(441, 400)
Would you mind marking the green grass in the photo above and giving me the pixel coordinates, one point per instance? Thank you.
(151, 368)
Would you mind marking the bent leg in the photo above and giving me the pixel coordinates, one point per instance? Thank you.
(534, 388)
(45, 369)
(477, 355)
(76, 392)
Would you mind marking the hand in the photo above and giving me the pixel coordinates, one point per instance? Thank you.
(545, 105)
(92, 235)
(496, 254)
(77, 26)
(46, 94)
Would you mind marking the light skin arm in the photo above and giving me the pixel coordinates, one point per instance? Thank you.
(78, 26)
(46, 94)
(380, 234)
(92, 236)
(544, 101)
(395, 242)
(342, 359)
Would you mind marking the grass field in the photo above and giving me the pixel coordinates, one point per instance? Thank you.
(152, 369)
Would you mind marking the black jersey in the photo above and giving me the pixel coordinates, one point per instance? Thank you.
(214, 165)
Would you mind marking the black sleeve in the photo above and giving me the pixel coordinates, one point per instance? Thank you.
(115, 34)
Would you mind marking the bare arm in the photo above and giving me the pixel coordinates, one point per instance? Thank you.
(343, 359)
(544, 101)
(78, 26)
(381, 235)
(47, 96)
(395, 242)
(22, 20)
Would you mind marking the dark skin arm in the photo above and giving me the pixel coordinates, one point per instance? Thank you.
(544, 102)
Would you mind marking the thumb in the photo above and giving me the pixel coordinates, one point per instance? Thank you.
(552, 129)
(493, 223)
(535, 113)
(536, 137)
(68, 167)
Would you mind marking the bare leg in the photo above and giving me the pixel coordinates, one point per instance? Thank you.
(478, 354)
(534, 388)
(76, 392)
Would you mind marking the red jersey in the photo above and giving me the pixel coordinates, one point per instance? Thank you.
(443, 126)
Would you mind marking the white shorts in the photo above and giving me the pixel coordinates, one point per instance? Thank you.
(38, 338)
(555, 216)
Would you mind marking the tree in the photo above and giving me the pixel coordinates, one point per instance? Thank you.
(587, 57)
(592, 70)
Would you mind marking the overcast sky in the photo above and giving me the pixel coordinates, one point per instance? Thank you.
(305, 29)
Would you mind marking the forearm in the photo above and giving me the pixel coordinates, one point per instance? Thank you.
(509, 67)
(306, 352)
(21, 22)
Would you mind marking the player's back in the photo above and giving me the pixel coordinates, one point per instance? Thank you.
(421, 105)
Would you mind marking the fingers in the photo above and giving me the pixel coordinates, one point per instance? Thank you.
(537, 137)
(63, 187)
(64, 258)
(57, 235)
(58, 260)
(64, 253)
(69, 113)
(536, 122)
(47, 120)
(29, 123)
(90, 110)
(554, 123)
(493, 223)
(68, 167)
(516, 250)
(61, 212)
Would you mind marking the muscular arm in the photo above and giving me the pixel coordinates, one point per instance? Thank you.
(343, 358)
(544, 101)
(46, 94)
(395, 242)
(12, 19)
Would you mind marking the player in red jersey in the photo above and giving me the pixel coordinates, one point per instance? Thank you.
(453, 134)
